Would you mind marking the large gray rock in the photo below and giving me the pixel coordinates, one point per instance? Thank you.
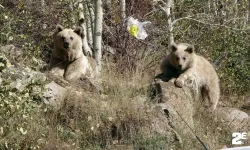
(233, 118)
(14, 54)
(54, 95)
(156, 125)
(83, 83)
(180, 106)
(177, 104)
(57, 96)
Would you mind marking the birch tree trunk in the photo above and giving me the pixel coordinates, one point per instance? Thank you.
(86, 49)
(209, 6)
(42, 6)
(98, 33)
(123, 9)
(236, 12)
(123, 18)
(170, 25)
(166, 7)
(71, 7)
(247, 12)
(88, 23)
(215, 3)
(92, 16)
(42, 13)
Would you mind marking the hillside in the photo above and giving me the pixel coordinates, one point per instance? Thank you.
(130, 106)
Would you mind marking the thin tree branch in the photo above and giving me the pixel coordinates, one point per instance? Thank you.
(199, 21)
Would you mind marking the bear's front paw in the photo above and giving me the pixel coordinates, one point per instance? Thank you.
(179, 83)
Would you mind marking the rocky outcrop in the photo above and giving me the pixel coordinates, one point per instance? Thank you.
(235, 119)
(180, 106)
(52, 90)
(54, 95)
(170, 110)
(13, 53)
(176, 104)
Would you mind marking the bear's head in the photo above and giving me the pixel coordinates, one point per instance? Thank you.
(68, 39)
(181, 55)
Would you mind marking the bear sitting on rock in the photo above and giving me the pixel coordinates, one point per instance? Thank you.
(67, 59)
(182, 63)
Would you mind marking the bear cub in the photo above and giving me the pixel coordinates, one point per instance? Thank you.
(67, 59)
(182, 63)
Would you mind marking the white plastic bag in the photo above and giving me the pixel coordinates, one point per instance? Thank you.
(135, 28)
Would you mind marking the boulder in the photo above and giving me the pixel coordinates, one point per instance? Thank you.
(58, 96)
(82, 83)
(54, 95)
(13, 53)
(176, 103)
(180, 107)
(233, 118)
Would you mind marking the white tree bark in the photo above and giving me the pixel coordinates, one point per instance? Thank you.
(98, 33)
(166, 7)
(209, 6)
(123, 9)
(247, 12)
(215, 3)
(89, 24)
(87, 50)
(71, 6)
(42, 13)
(170, 26)
(236, 11)
(42, 6)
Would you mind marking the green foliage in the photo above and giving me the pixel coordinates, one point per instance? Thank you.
(218, 37)
(25, 125)
(20, 92)
(236, 68)
(156, 142)
(227, 50)
(28, 28)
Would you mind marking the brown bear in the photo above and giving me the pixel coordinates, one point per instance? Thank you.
(182, 63)
(67, 59)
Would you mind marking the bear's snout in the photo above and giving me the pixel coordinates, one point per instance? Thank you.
(179, 66)
(66, 45)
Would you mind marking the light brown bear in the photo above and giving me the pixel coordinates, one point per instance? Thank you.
(182, 63)
(67, 59)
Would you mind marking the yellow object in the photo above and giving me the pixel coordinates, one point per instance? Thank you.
(133, 30)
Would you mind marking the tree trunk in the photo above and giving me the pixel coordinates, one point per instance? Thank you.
(247, 13)
(71, 7)
(42, 6)
(236, 11)
(86, 48)
(89, 15)
(166, 7)
(98, 33)
(170, 26)
(123, 9)
(209, 6)
(215, 7)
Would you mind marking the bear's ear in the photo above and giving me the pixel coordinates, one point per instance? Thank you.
(173, 47)
(59, 28)
(79, 31)
(190, 49)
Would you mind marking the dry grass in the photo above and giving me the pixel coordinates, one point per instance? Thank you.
(116, 119)
(101, 121)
